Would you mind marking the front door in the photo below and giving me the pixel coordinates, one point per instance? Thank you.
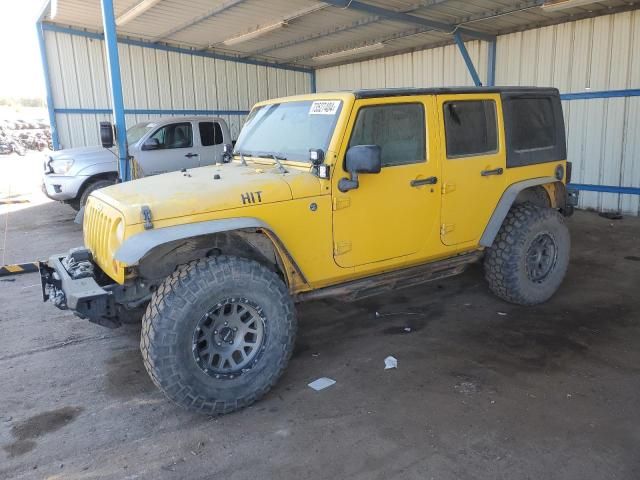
(173, 149)
(473, 164)
(392, 213)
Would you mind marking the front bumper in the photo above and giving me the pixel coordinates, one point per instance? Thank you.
(77, 290)
(61, 188)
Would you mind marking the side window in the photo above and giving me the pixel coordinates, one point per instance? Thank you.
(175, 135)
(210, 133)
(398, 129)
(470, 128)
(533, 124)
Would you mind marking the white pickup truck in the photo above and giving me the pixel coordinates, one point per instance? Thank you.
(157, 146)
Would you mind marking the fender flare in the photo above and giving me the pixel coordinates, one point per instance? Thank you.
(504, 205)
(137, 246)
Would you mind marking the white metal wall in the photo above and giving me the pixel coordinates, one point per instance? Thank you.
(597, 54)
(153, 79)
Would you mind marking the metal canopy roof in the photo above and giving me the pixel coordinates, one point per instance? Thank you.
(316, 34)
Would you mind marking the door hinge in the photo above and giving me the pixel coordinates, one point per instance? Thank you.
(341, 202)
(342, 247)
(448, 188)
(447, 228)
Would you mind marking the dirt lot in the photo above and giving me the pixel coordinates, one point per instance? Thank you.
(483, 389)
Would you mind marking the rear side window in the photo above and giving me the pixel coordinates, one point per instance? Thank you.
(398, 129)
(210, 133)
(534, 128)
(532, 124)
(470, 128)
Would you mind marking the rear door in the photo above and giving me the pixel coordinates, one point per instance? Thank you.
(473, 164)
(211, 142)
(175, 150)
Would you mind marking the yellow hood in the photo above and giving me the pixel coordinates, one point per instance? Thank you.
(181, 194)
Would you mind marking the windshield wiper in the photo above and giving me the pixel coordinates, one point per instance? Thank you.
(277, 160)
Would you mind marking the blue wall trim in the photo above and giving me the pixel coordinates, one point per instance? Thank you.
(198, 53)
(47, 84)
(634, 92)
(605, 188)
(140, 111)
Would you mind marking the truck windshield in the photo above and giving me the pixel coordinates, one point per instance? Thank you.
(288, 130)
(137, 131)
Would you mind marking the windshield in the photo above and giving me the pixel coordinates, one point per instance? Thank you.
(136, 132)
(289, 129)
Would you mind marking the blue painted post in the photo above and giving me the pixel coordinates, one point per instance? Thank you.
(113, 61)
(47, 83)
(313, 81)
(467, 59)
(491, 64)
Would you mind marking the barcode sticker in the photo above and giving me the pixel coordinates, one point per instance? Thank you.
(324, 107)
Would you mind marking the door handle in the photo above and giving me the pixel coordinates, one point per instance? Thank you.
(189, 155)
(418, 182)
(495, 171)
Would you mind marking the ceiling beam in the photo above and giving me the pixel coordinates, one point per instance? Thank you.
(363, 43)
(407, 18)
(361, 22)
(194, 21)
(324, 33)
(135, 11)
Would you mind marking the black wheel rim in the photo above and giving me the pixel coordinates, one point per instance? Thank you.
(229, 339)
(541, 257)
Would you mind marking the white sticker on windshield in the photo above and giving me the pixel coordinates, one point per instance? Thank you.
(324, 107)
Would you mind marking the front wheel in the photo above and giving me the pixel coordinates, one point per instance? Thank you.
(530, 255)
(218, 334)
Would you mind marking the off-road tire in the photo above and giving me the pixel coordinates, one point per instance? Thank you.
(75, 204)
(173, 314)
(505, 263)
(92, 187)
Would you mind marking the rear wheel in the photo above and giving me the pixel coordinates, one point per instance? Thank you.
(218, 334)
(530, 255)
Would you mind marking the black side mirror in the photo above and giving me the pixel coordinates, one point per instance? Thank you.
(106, 134)
(227, 153)
(360, 159)
(151, 144)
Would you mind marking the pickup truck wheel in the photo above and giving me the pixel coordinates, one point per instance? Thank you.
(530, 255)
(218, 334)
(92, 187)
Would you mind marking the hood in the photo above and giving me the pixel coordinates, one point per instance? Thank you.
(80, 154)
(181, 194)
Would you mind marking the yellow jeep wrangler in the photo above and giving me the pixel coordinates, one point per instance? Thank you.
(342, 195)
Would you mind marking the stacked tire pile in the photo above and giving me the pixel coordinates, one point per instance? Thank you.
(20, 136)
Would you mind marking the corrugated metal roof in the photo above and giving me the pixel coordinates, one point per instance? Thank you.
(313, 28)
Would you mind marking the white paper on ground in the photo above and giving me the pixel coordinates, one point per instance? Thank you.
(390, 362)
(321, 383)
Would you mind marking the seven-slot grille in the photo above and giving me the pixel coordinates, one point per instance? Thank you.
(98, 227)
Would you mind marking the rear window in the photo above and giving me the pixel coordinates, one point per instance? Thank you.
(470, 128)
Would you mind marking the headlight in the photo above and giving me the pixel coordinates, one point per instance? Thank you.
(61, 166)
(120, 230)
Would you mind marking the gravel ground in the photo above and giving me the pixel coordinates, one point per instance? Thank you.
(483, 389)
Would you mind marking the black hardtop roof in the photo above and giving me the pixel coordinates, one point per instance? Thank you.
(399, 92)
